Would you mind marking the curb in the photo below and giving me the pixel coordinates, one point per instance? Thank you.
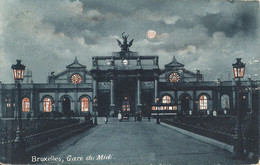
(213, 142)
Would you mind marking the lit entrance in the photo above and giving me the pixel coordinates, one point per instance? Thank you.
(125, 95)
(126, 106)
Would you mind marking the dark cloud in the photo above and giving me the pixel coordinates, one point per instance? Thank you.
(205, 35)
(238, 22)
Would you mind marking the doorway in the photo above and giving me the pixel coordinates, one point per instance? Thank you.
(126, 89)
(185, 103)
(66, 104)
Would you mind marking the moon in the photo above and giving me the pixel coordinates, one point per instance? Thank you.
(151, 34)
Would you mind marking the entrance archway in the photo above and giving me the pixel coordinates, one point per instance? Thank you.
(65, 104)
(103, 103)
(185, 102)
(126, 88)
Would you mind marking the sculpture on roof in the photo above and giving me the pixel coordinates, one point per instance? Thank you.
(125, 46)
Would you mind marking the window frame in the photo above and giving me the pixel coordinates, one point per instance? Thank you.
(203, 102)
(49, 101)
(26, 107)
(86, 102)
(166, 99)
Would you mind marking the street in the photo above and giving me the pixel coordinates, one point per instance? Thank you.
(134, 143)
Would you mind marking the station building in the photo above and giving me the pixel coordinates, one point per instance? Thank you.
(130, 82)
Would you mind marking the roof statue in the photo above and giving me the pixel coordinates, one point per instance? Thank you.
(125, 46)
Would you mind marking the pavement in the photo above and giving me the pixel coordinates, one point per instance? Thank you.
(132, 142)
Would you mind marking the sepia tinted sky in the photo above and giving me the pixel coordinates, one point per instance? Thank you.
(206, 35)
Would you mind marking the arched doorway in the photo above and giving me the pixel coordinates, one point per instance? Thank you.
(185, 103)
(126, 88)
(66, 104)
(147, 101)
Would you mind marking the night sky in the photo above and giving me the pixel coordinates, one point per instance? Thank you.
(207, 35)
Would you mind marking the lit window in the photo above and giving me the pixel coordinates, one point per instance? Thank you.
(166, 99)
(8, 105)
(84, 104)
(26, 105)
(47, 105)
(203, 103)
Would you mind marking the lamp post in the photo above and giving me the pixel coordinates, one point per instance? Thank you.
(95, 110)
(157, 108)
(238, 70)
(18, 70)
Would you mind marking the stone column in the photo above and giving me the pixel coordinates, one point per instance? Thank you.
(76, 100)
(94, 94)
(195, 102)
(56, 99)
(219, 100)
(155, 89)
(250, 95)
(112, 97)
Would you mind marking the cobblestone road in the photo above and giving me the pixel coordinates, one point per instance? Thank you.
(137, 143)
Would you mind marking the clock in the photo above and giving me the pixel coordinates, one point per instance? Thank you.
(174, 77)
(76, 79)
(125, 62)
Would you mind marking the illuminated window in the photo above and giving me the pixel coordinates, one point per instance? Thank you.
(203, 102)
(166, 99)
(47, 105)
(225, 102)
(84, 104)
(26, 105)
(76, 79)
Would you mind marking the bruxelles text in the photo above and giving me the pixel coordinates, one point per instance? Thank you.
(71, 158)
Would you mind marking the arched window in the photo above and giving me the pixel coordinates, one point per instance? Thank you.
(166, 99)
(203, 102)
(47, 105)
(26, 104)
(84, 104)
(225, 101)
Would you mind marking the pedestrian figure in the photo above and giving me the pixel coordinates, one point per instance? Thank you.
(149, 116)
(106, 118)
(119, 116)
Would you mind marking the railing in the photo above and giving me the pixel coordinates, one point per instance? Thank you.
(38, 142)
(217, 135)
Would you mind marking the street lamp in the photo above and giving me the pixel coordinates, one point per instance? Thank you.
(238, 70)
(95, 110)
(157, 108)
(18, 70)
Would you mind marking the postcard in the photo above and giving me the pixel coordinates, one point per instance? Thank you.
(129, 82)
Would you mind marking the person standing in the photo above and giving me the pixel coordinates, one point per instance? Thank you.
(119, 116)
(106, 118)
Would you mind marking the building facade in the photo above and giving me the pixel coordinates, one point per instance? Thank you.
(127, 81)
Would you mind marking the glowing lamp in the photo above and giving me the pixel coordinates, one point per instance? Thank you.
(18, 70)
(239, 69)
